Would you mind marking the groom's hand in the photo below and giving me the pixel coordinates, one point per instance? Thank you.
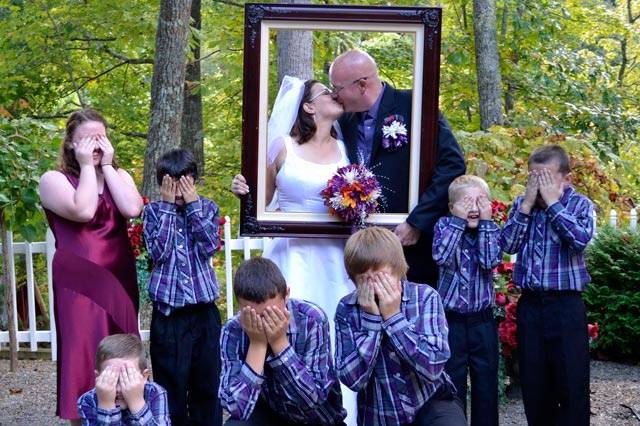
(408, 234)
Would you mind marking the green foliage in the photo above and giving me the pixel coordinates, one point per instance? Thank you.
(24, 155)
(613, 297)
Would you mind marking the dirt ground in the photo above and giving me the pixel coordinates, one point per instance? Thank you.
(28, 396)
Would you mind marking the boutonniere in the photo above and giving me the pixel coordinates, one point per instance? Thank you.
(394, 132)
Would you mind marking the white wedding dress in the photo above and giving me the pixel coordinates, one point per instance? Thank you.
(313, 267)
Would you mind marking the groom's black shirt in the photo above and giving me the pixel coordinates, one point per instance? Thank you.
(392, 170)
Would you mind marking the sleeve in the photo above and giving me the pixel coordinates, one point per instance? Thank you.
(306, 380)
(424, 347)
(202, 216)
(446, 240)
(573, 225)
(92, 415)
(159, 230)
(490, 252)
(514, 231)
(155, 412)
(449, 165)
(239, 384)
(356, 349)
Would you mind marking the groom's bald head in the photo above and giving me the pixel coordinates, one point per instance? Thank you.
(355, 80)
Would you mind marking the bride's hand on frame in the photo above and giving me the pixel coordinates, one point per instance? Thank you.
(239, 185)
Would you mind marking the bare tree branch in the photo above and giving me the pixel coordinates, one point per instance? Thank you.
(92, 39)
(229, 2)
(632, 19)
(126, 59)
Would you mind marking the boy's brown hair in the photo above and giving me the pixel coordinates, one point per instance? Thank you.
(374, 248)
(121, 346)
(259, 279)
(547, 153)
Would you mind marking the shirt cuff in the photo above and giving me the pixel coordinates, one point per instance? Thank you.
(283, 357)
(554, 210)
(108, 416)
(488, 225)
(168, 208)
(522, 218)
(371, 322)
(458, 223)
(143, 416)
(251, 376)
(193, 207)
(395, 323)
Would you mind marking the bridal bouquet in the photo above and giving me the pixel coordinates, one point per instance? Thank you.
(352, 194)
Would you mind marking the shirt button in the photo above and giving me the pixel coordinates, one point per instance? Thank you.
(184, 264)
(180, 230)
(179, 245)
(185, 281)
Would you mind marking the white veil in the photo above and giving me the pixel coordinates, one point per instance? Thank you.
(283, 114)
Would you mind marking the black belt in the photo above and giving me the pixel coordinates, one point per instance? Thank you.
(480, 316)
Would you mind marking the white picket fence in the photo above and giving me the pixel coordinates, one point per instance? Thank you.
(33, 336)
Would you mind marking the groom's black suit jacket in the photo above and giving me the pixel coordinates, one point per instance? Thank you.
(392, 169)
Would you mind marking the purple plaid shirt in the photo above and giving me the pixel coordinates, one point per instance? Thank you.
(550, 243)
(300, 383)
(395, 365)
(155, 411)
(181, 241)
(466, 259)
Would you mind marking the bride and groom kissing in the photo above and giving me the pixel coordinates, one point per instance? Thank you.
(305, 150)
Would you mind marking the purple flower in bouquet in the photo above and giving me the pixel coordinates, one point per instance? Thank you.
(352, 194)
(394, 132)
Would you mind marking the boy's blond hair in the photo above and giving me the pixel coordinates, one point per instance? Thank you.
(121, 346)
(375, 248)
(464, 182)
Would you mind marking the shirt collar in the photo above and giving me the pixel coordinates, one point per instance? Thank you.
(293, 328)
(373, 111)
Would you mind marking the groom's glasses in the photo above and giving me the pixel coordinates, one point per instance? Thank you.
(322, 93)
(337, 89)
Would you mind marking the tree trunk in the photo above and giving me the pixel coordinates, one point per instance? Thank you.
(192, 127)
(487, 63)
(295, 51)
(167, 88)
(8, 295)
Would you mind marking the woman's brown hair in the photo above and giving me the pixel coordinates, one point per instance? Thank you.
(67, 160)
(305, 127)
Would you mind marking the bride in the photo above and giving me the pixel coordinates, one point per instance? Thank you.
(303, 154)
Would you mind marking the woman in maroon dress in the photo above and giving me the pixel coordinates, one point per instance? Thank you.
(87, 202)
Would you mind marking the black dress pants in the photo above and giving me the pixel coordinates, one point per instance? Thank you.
(473, 341)
(185, 357)
(553, 352)
(444, 408)
(263, 415)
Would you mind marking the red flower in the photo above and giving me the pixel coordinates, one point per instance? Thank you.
(510, 311)
(145, 200)
(136, 252)
(593, 331)
(222, 221)
(501, 299)
(511, 287)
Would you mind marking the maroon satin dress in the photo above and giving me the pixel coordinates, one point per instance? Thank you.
(95, 293)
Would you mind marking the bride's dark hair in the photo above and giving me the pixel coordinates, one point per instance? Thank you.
(304, 127)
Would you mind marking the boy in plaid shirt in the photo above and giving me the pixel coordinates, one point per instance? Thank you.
(466, 248)
(549, 228)
(391, 339)
(276, 355)
(122, 395)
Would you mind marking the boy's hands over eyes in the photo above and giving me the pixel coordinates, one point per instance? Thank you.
(132, 387)
(251, 323)
(530, 193)
(550, 191)
(275, 322)
(389, 294)
(106, 388)
(484, 205)
(188, 189)
(461, 208)
(168, 189)
(366, 296)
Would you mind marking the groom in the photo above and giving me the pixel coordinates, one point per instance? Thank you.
(369, 104)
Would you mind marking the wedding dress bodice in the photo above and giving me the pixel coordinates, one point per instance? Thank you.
(299, 181)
